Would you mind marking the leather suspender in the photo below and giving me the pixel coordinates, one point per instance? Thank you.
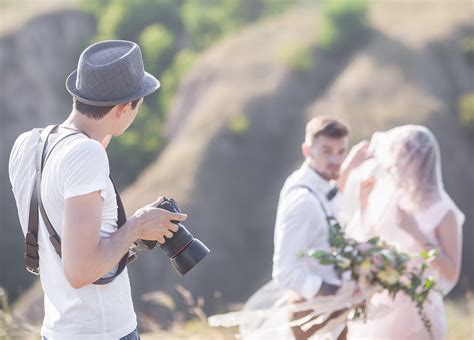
(31, 239)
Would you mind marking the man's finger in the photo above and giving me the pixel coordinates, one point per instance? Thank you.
(173, 227)
(158, 201)
(169, 234)
(177, 217)
(161, 240)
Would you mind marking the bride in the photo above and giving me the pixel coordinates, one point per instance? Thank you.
(398, 195)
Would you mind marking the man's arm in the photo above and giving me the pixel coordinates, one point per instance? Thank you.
(86, 256)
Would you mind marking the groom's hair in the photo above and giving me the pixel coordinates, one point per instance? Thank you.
(325, 126)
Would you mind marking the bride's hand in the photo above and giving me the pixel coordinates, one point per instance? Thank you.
(366, 188)
(358, 154)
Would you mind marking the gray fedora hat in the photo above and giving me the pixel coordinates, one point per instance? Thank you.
(111, 72)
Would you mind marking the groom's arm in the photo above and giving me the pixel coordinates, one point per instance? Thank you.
(298, 225)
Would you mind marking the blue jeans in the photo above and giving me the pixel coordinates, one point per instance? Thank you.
(132, 336)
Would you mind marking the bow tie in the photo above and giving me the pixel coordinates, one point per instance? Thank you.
(332, 193)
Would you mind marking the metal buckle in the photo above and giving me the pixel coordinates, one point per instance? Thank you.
(33, 271)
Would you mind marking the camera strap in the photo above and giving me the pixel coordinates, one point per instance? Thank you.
(31, 239)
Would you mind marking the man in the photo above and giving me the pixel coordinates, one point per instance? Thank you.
(80, 202)
(308, 196)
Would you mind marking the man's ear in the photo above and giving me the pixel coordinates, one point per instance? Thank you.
(305, 149)
(121, 109)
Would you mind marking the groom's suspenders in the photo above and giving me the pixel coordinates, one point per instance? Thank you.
(31, 239)
(325, 211)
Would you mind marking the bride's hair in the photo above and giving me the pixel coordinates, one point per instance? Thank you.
(416, 155)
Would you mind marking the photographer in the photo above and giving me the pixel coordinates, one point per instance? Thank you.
(87, 294)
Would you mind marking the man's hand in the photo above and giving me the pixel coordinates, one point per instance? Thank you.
(155, 223)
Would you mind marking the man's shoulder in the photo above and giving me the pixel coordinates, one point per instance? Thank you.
(80, 152)
(23, 143)
(79, 143)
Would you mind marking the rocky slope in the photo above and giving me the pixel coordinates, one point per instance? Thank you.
(35, 62)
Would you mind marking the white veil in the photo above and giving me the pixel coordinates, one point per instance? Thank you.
(406, 168)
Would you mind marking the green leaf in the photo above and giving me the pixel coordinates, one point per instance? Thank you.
(321, 254)
(374, 240)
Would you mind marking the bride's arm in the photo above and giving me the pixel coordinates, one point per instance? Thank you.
(356, 157)
(448, 262)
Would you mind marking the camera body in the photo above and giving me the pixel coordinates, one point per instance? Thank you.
(183, 249)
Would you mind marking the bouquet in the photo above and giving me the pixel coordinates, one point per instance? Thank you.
(375, 266)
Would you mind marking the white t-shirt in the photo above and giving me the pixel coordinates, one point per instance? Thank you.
(77, 166)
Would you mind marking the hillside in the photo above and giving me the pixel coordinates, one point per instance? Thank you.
(238, 122)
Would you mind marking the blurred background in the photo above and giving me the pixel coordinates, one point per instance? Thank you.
(239, 81)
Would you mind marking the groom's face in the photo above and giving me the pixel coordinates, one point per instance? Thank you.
(326, 155)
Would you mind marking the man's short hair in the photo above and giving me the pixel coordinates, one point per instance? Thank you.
(325, 126)
(96, 112)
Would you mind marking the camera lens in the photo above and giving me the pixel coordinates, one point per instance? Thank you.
(183, 249)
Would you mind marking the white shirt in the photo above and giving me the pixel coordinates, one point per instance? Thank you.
(300, 226)
(77, 166)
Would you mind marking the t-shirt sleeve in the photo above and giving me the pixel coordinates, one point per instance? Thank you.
(85, 169)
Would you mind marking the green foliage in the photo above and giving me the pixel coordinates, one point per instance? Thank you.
(137, 146)
(299, 58)
(467, 48)
(172, 77)
(126, 19)
(239, 124)
(157, 45)
(344, 24)
(466, 111)
(207, 20)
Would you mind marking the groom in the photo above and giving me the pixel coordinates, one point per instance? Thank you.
(308, 197)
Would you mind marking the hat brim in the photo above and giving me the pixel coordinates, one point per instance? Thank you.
(149, 85)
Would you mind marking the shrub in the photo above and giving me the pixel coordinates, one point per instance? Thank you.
(466, 111)
(298, 58)
(344, 24)
(158, 45)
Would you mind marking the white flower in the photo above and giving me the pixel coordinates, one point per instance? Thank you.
(388, 275)
(343, 262)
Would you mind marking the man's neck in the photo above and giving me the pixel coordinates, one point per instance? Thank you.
(95, 129)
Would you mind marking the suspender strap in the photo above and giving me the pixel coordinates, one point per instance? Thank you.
(31, 240)
(328, 216)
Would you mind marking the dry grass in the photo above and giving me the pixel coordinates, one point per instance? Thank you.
(459, 315)
(460, 318)
(192, 330)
